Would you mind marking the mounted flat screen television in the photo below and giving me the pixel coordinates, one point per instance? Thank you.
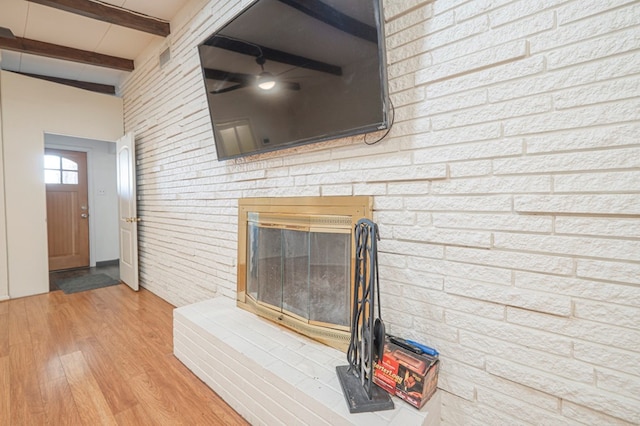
(289, 72)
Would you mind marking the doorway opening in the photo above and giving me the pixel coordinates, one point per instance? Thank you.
(100, 205)
(112, 207)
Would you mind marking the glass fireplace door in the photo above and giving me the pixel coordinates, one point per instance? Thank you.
(303, 273)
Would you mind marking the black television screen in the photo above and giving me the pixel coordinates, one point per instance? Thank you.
(289, 72)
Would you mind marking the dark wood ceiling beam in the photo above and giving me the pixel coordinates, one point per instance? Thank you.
(330, 16)
(113, 15)
(255, 50)
(55, 51)
(234, 77)
(86, 85)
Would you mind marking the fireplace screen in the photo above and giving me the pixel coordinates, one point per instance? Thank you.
(295, 262)
(303, 273)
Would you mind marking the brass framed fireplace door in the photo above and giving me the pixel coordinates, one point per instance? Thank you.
(292, 248)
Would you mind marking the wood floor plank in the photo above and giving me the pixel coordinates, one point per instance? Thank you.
(60, 323)
(124, 353)
(101, 356)
(194, 410)
(119, 298)
(112, 384)
(135, 415)
(55, 299)
(43, 343)
(18, 324)
(5, 391)
(90, 402)
(161, 406)
(24, 389)
(81, 316)
(4, 334)
(27, 407)
(199, 393)
(59, 405)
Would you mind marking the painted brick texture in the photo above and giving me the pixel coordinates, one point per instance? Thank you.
(507, 195)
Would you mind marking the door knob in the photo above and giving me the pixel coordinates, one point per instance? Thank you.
(84, 215)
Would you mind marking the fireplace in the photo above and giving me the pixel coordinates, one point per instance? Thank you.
(296, 259)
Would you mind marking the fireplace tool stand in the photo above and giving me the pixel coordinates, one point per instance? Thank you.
(367, 330)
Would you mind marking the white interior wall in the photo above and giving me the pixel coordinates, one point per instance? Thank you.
(30, 109)
(506, 194)
(103, 197)
(4, 268)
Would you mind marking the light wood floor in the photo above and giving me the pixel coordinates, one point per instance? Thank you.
(98, 357)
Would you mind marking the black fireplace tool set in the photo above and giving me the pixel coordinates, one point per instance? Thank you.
(367, 329)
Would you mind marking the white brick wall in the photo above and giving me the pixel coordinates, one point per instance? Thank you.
(507, 195)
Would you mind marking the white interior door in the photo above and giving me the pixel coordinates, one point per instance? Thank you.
(127, 210)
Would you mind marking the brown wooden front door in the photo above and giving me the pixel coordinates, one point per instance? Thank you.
(67, 209)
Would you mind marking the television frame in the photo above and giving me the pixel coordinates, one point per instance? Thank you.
(382, 124)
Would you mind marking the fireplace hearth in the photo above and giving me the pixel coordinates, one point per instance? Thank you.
(295, 262)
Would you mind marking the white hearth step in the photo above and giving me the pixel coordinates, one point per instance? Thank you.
(271, 375)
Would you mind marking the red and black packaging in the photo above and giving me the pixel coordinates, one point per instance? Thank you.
(407, 375)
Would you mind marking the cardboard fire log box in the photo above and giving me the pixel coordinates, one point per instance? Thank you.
(407, 375)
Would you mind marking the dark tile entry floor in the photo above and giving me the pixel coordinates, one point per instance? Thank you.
(54, 276)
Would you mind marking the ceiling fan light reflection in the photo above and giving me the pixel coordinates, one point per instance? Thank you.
(266, 81)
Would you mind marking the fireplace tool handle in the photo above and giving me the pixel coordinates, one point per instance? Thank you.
(361, 355)
(356, 378)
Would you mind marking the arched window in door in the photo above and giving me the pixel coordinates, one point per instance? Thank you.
(60, 170)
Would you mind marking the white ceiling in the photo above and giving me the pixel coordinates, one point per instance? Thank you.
(43, 23)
